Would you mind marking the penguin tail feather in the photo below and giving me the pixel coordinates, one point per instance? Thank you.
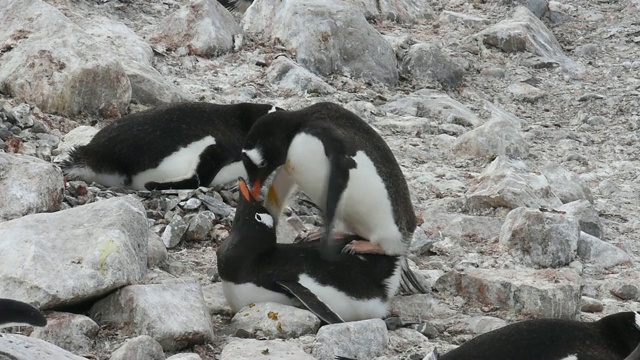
(409, 283)
(76, 165)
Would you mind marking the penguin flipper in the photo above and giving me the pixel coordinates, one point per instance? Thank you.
(337, 183)
(13, 311)
(408, 281)
(311, 301)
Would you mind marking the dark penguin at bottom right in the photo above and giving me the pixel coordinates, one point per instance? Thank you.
(614, 337)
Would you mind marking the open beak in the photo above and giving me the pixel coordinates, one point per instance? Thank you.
(257, 188)
(244, 189)
(279, 191)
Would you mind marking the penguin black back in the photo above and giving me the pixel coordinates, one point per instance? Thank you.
(18, 312)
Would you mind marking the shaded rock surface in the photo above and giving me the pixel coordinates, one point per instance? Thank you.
(72, 332)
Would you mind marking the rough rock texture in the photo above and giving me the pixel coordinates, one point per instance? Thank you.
(72, 332)
(289, 75)
(87, 79)
(366, 339)
(272, 320)
(566, 185)
(174, 314)
(429, 62)
(142, 347)
(74, 255)
(185, 356)
(327, 36)
(432, 105)
(587, 216)
(250, 349)
(27, 186)
(600, 253)
(20, 347)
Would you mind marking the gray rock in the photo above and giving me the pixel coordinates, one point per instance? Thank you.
(79, 136)
(429, 62)
(587, 216)
(20, 116)
(537, 7)
(202, 27)
(542, 238)
(72, 332)
(420, 307)
(142, 347)
(192, 204)
(273, 320)
(432, 105)
(625, 292)
(20, 347)
(590, 305)
(525, 32)
(401, 11)
(600, 253)
(421, 243)
(363, 339)
(586, 50)
(149, 87)
(174, 314)
(465, 19)
(28, 185)
(538, 293)
(482, 324)
(440, 225)
(174, 231)
(524, 92)
(156, 251)
(88, 78)
(508, 183)
(200, 226)
(251, 349)
(185, 356)
(118, 37)
(499, 136)
(215, 300)
(565, 184)
(74, 255)
(217, 206)
(314, 31)
(293, 77)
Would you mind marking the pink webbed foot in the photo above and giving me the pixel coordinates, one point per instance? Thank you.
(362, 247)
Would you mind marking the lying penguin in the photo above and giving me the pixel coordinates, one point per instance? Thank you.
(345, 167)
(16, 313)
(614, 337)
(179, 146)
(255, 268)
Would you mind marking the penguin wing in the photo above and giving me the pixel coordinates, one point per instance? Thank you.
(13, 311)
(311, 301)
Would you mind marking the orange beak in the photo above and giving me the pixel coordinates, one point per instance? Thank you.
(257, 188)
(244, 189)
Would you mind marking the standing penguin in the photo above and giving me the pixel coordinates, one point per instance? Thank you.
(345, 167)
(255, 268)
(180, 146)
(13, 313)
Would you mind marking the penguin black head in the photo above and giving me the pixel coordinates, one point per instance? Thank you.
(252, 221)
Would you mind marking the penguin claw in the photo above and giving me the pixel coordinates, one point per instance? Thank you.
(362, 247)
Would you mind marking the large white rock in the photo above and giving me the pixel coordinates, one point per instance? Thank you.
(272, 320)
(432, 105)
(71, 256)
(66, 73)
(327, 36)
(251, 349)
(142, 347)
(20, 347)
(364, 339)
(28, 185)
(173, 313)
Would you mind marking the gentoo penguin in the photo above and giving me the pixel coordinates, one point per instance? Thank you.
(14, 313)
(344, 166)
(614, 337)
(180, 146)
(255, 268)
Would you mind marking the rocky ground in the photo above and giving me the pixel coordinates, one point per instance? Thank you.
(516, 124)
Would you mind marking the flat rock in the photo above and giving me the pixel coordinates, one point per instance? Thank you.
(565, 184)
(471, 228)
(72, 332)
(20, 347)
(524, 92)
(215, 300)
(327, 36)
(28, 185)
(430, 62)
(294, 78)
(541, 238)
(185, 356)
(362, 339)
(553, 293)
(173, 313)
(142, 347)
(88, 78)
(465, 19)
(508, 183)
(202, 27)
(600, 253)
(482, 324)
(273, 320)
(251, 349)
(74, 255)
(432, 105)
(420, 307)
(590, 305)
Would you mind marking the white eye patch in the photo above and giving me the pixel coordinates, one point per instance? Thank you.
(255, 155)
(265, 219)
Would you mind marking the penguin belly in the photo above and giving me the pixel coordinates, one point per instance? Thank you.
(228, 173)
(364, 207)
(241, 295)
(180, 165)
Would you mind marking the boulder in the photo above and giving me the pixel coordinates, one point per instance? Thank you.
(430, 62)
(272, 320)
(294, 78)
(20, 347)
(251, 349)
(364, 339)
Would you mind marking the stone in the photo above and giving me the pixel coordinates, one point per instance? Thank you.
(185, 356)
(507, 183)
(273, 320)
(217, 206)
(499, 136)
(482, 324)
(202, 28)
(315, 31)
(215, 300)
(541, 238)
(72, 332)
(174, 231)
(293, 77)
(625, 292)
(20, 347)
(537, 7)
(432, 105)
(173, 313)
(600, 253)
(28, 185)
(552, 293)
(251, 349)
(419, 307)
(421, 243)
(20, 116)
(464, 19)
(565, 184)
(439, 225)
(587, 216)
(364, 339)
(157, 254)
(590, 305)
(75, 255)
(88, 78)
(524, 92)
(142, 347)
(525, 32)
(200, 226)
(429, 62)
(149, 87)
(192, 204)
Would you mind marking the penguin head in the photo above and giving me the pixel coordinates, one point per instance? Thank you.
(252, 220)
(261, 157)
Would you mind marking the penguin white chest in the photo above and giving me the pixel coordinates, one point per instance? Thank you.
(309, 166)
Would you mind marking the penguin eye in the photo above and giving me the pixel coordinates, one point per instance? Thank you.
(262, 164)
(265, 219)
